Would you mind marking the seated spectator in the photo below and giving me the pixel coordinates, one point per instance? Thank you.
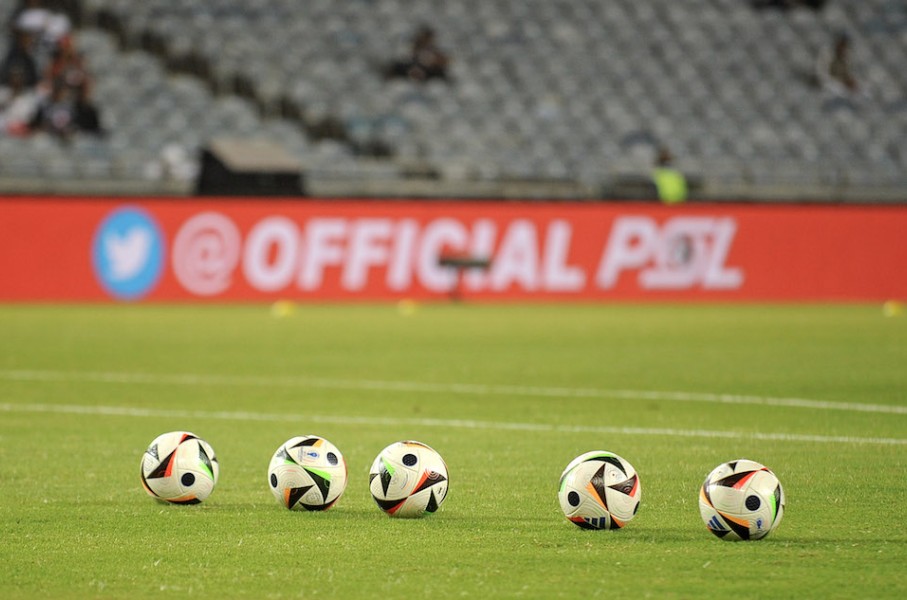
(833, 68)
(67, 66)
(19, 58)
(59, 102)
(87, 118)
(18, 105)
(47, 24)
(426, 60)
(57, 114)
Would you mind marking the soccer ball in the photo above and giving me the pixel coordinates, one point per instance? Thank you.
(741, 500)
(179, 467)
(599, 490)
(408, 479)
(307, 473)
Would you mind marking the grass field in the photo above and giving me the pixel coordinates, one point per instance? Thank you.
(507, 394)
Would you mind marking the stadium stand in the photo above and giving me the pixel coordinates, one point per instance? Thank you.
(572, 98)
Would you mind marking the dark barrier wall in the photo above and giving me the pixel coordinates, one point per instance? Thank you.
(259, 250)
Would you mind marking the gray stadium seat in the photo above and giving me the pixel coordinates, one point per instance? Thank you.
(540, 89)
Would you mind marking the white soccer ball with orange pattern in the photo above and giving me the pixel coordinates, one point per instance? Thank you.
(408, 479)
(307, 472)
(179, 467)
(599, 490)
(741, 500)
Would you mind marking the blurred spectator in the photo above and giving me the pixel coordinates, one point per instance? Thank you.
(426, 61)
(19, 58)
(87, 118)
(670, 183)
(833, 68)
(57, 114)
(67, 66)
(47, 87)
(47, 24)
(18, 105)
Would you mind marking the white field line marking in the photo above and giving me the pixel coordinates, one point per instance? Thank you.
(440, 388)
(123, 411)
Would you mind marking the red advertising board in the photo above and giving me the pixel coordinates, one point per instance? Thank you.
(71, 249)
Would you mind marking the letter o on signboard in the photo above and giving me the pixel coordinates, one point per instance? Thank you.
(265, 270)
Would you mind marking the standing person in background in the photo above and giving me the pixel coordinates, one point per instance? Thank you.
(670, 183)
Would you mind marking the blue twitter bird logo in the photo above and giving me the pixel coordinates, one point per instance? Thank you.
(128, 253)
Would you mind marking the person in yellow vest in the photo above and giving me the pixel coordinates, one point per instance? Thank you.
(670, 183)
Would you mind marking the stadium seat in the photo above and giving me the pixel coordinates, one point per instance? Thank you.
(538, 89)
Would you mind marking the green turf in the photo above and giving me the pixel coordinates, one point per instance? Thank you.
(74, 520)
